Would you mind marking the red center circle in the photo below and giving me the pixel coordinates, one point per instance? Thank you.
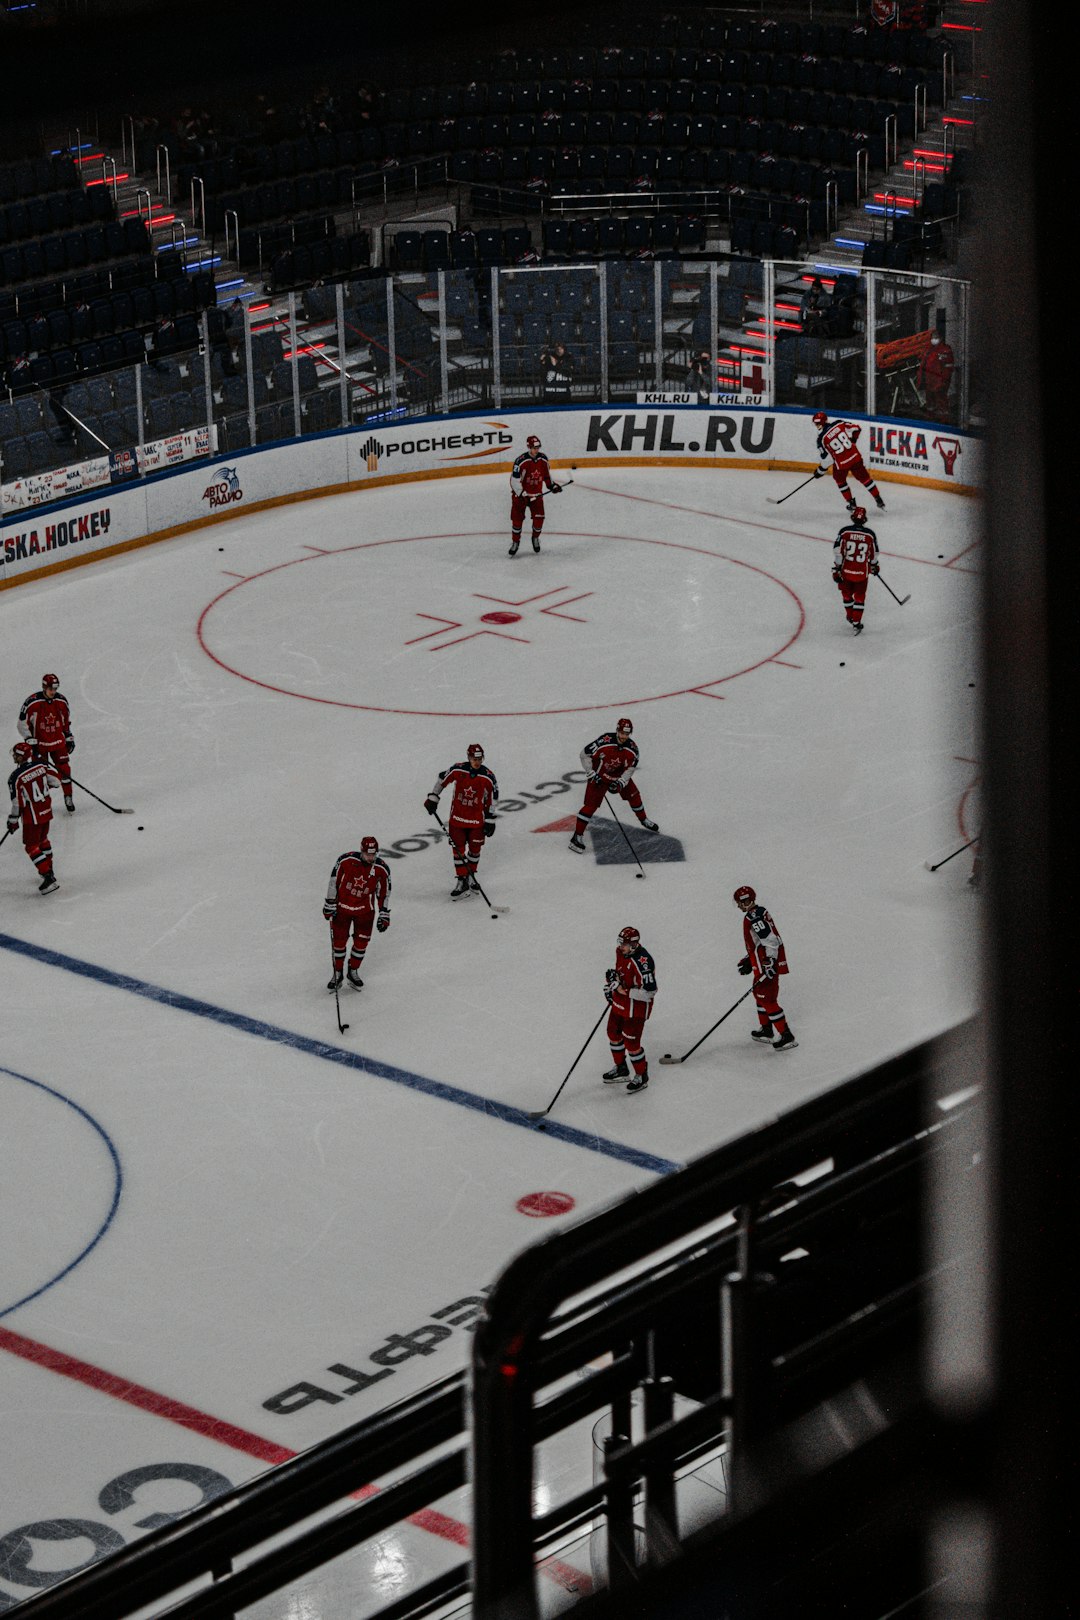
(708, 681)
(539, 1204)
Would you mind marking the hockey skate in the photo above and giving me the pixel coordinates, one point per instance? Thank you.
(513, 549)
(474, 883)
(69, 802)
(48, 884)
(856, 627)
(764, 1032)
(535, 542)
(613, 1076)
(879, 503)
(639, 1082)
(335, 981)
(577, 844)
(785, 1042)
(354, 979)
(649, 826)
(460, 889)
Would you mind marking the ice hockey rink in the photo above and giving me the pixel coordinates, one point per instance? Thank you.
(213, 1203)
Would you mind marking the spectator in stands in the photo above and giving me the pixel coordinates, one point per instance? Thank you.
(839, 319)
(699, 377)
(557, 365)
(17, 375)
(812, 310)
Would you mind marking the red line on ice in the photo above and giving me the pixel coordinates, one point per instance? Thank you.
(228, 1434)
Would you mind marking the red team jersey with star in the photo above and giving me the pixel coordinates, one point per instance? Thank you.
(763, 943)
(474, 793)
(634, 987)
(46, 721)
(854, 549)
(29, 787)
(357, 885)
(610, 759)
(838, 441)
(531, 474)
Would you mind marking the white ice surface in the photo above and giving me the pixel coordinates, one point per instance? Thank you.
(280, 1213)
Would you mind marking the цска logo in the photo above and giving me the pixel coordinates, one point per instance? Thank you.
(225, 489)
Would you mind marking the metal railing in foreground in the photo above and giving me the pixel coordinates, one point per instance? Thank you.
(719, 1307)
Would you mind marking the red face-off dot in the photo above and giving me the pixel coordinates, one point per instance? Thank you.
(499, 618)
(539, 1204)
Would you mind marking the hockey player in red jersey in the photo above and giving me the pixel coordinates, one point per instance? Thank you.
(529, 478)
(855, 552)
(475, 792)
(838, 442)
(30, 785)
(611, 761)
(359, 887)
(766, 959)
(45, 721)
(630, 990)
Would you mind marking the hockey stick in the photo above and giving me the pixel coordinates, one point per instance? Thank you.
(667, 1057)
(951, 857)
(640, 873)
(900, 600)
(496, 911)
(6, 836)
(779, 501)
(544, 1111)
(115, 810)
(337, 1003)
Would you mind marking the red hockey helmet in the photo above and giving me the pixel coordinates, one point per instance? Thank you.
(475, 751)
(369, 848)
(820, 419)
(532, 442)
(22, 753)
(50, 680)
(629, 939)
(624, 725)
(858, 514)
(744, 897)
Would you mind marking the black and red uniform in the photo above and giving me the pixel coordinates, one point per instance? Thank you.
(630, 990)
(766, 959)
(611, 760)
(530, 477)
(45, 721)
(358, 890)
(29, 786)
(935, 376)
(837, 442)
(855, 551)
(475, 792)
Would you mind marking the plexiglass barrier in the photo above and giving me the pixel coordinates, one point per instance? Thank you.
(695, 331)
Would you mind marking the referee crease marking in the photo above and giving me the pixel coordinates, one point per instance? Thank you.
(504, 1112)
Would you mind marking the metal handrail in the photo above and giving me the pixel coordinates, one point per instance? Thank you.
(167, 193)
(920, 108)
(198, 215)
(109, 178)
(144, 191)
(231, 213)
(862, 171)
(892, 140)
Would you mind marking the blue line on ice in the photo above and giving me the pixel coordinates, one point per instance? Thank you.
(337, 1054)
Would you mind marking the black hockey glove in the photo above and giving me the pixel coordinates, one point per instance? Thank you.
(768, 972)
(819, 472)
(12, 826)
(745, 966)
(874, 568)
(70, 741)
(329, 912)
(608, 994)
(556, 489)
(431, 804)
(384, 922)
(489, 827)
(612, 976)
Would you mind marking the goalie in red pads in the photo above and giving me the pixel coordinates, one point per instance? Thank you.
(30, 786)
(766, 959)
(854, 560)
(611, 760)
(629, 989)
(529, 478)
(837, 442)
(475, 793)
(359, 888)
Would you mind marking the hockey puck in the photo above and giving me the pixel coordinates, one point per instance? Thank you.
(842, 664)
(667, 1054)
(494, 916)
(139, 829)
(540, 1125)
